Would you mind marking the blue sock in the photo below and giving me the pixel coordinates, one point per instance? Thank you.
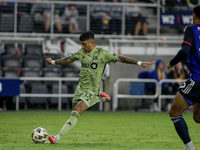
(181, 128)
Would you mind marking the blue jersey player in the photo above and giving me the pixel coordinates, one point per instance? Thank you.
(189, 93)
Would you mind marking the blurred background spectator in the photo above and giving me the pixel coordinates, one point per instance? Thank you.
(63, 53)
(70, 16)
(158, 73)
(42, 15)
(178, 73)
(100, 17)
(179, 5)
(135, 21)
(116, 17)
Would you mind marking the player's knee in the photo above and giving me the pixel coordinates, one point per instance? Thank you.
(171, 113)
(174, 112)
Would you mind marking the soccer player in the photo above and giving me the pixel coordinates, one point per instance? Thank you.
(189, 93)
(93, 61)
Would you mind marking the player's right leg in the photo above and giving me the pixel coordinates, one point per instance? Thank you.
(179, 105)
(78, 109)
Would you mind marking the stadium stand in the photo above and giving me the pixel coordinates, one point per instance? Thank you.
(10, 73)
(13, 49)
(7, 23)
(31, 54)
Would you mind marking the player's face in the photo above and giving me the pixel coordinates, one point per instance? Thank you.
(161, 65)
(86, 45)
(195, 19)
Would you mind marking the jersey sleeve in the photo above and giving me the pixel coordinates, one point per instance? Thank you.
(188, 35)
(109, 57)
(77, 55)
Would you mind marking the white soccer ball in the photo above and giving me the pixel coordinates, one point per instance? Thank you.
(39, 135)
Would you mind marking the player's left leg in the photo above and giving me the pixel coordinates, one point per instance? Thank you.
(179, 105)
(79, 108)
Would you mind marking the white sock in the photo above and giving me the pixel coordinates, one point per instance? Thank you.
(56, 138)
(189, 146)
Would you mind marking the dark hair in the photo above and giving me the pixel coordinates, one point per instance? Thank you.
(196, 10)
(86, 36)
(72, 5)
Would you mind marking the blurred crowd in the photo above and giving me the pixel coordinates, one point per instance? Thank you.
(105, 19)
(180, 72)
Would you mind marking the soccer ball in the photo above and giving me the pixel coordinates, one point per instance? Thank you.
(39, 135)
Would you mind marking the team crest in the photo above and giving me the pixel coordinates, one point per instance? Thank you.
(95, 57)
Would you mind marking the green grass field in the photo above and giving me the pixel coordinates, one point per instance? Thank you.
(95, 131)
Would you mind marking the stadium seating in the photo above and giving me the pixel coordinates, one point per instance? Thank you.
(7, 22)
(30, 72)
(54, 89)
(51, 72)
(32, 61)
(37, 88)
(33, 49)
(10, 49)
(25, 23)
(11, 61)
(10, 72)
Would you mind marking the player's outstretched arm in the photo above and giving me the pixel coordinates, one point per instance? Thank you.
(63, 61)
(129, 60)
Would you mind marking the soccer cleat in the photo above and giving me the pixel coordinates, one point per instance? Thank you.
(52, 139)
(195, 149)
(103, 96)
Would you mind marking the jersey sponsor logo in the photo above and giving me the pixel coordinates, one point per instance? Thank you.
(198, 28)
(94, 65)
(84, 65)
(174, 19)
(168, 19)
(187, 19)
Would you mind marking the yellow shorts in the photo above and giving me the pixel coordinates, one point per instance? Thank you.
(88, 97)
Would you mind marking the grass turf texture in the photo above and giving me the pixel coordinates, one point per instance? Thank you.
(95, 131)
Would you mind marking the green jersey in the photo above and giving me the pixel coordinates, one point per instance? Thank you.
(92, 68)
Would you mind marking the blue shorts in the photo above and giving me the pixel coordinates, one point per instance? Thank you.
(190, 90)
